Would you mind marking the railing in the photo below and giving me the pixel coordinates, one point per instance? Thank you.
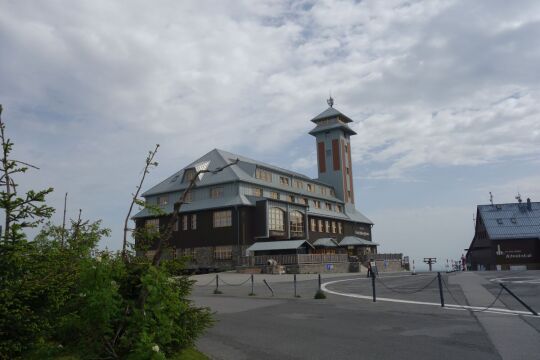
(295, 259)
(386, 256)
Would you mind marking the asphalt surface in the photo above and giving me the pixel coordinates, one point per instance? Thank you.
(343, 327)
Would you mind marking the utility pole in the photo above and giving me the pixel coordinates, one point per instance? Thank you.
(430, 262)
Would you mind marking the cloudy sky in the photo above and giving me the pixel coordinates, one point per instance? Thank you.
(445, 97)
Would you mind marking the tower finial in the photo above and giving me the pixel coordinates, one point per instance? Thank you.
(330, 101)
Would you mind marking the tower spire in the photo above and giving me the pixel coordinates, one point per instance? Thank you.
(330, 101)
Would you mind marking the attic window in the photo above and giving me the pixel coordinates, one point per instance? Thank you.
(189, 174)
(175, 177)
(499, 221)
(499, 207)
(513, 220)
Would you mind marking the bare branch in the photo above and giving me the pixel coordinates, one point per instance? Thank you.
(149, 162)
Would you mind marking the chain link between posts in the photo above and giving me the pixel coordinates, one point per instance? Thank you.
(396, 290)
(213, 280)
(229, 284)
(467, 308)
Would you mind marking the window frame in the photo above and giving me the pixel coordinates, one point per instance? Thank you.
(222, 218)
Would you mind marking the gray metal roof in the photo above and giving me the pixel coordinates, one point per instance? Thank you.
(327, 127)
(237, 173)
(277, 245)
(326, 242)
(199, 205)
(330, 113)
(355, 241)
(511, 221)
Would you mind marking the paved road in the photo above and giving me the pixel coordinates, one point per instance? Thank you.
(339, 327)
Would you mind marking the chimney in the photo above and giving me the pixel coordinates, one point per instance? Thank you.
(529, 205)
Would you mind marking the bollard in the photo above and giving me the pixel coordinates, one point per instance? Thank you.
(252, 293)
(216, 290)
(319, 294)
(294, 281)
(373, 286)
(413, 269)
(440, 289)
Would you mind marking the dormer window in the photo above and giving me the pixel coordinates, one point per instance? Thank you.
(163, 200)
(283, 180)
(189, 175)
(262, 174)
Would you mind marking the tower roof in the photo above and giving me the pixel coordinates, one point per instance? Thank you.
(331, 113)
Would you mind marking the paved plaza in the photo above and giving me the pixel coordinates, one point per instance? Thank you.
(406, 321)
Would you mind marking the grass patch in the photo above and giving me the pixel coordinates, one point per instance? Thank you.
(320, 295)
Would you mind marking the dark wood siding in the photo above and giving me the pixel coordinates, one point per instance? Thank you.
(321, 157)
(335, 153)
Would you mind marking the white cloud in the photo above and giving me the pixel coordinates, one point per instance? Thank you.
(89, 87)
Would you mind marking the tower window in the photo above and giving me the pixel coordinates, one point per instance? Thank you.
(284, 180)
(313, 225)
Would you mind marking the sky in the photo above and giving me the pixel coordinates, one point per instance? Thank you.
(445, 98)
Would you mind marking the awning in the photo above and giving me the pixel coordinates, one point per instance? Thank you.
(325, 242)
(278, 245)
(356, 241)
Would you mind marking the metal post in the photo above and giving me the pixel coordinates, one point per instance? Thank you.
(266, 283)
(252, 285)
(373, 286)
(294, 280)
(440, 288)
(319, 282)
(217, 284)
(518, 299)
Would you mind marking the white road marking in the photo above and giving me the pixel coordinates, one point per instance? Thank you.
(518, 280)
(499, 311)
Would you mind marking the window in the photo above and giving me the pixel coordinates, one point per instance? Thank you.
(276, 222)
(184, 222)
(334, 227)
(223, 252)
(175, 226)
(298, 184)
(303, 201)
(274, 195)
(222, 218)
(284, 180)
(499, 221)
(323, 190)
(216, 193)
(340, 228)
(328, 206)
(296, 223)
(189, 175)
(257, 192)
(263, 174)
(339, 209)
(320, 225)
(290, 198)
(332, 192)
(163, 200)
(513, 220)
(348, 170)
(194, 222)
(310, 187)
(189, 196)
(316, 204)
(152, 224)
(349, 193)
(189, 252)
(327, 226)
(313, 224)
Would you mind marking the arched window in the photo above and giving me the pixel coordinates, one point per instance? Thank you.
(276, 222)
(296, 219)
